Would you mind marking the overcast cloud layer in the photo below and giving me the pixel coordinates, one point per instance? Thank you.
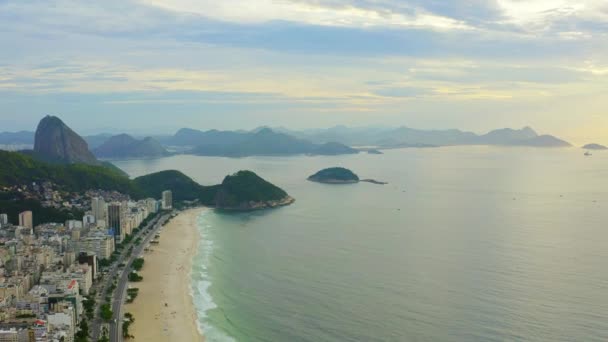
(157, 65)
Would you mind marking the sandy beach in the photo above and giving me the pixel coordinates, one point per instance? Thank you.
(164, 310)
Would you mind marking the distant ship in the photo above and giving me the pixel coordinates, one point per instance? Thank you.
(588, 154)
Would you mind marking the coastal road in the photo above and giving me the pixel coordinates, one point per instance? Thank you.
(112, 274)
(121, 288)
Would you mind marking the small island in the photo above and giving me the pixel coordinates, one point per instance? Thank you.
(335, 175)
(374, 151)
(595, 147)
(339, 175)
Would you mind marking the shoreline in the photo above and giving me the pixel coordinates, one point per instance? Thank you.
(164, 308)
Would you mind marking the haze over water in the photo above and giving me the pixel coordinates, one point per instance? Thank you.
(464, 244)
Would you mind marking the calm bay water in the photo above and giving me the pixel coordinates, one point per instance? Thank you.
(464, 244)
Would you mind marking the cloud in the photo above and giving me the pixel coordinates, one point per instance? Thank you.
(403, 92)
(499, 74)
(433, 62)
(309, 13)
(486, 29)
(553, 16)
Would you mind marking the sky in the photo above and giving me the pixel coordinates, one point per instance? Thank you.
(154, 66)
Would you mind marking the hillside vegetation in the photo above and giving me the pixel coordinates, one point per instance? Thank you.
(245, 186)
(18, 168)
(334, 175)
(241, 189)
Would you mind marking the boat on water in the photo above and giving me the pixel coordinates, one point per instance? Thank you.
(588, 154)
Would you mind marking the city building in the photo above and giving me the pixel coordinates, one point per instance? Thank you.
(167, 200)
(152, 205)
(64, 323)
(99, 208)
(114, 221)
(26, 219)
(73, 224)
(89, 220)
(91, 260)
(14, 335)
(3, 220)
(98, 243)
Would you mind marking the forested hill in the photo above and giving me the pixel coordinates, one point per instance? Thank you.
(244, 190)
(18, 168)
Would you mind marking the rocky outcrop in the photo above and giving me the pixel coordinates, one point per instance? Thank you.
(56, 142)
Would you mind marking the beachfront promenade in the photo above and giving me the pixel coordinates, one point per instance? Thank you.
(115, 333)
(121, 289)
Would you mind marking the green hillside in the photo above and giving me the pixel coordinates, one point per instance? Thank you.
(182, 186)
(246, 186)
(239, 189)
(18, 168)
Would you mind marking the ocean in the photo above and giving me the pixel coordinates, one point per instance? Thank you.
(463, 244)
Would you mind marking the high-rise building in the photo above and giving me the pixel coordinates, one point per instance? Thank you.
(26, 219)
(114, 220)
(98, 206)
(152, 205)
(167, 200)
(15, 335)
(89, 259)
(98, 243)
(3, 220)
(73, 224)
(88, 220)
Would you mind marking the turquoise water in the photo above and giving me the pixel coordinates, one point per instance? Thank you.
(464, 244)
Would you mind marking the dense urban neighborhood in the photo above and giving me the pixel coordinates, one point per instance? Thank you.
(67, 281)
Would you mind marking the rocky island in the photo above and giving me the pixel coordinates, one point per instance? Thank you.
(335, 175)
(596, 147)
(339, 175)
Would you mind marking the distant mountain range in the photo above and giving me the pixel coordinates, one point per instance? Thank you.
(409, 137)
(95, 141)
(281, 141)
(125, 146)
(260, 142)
(17, 138)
